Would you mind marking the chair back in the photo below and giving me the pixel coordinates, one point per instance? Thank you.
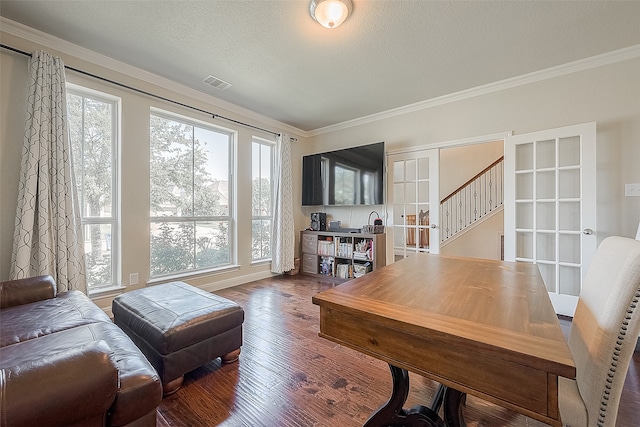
(606, 326)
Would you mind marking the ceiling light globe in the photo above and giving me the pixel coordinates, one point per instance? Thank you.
(330, 13)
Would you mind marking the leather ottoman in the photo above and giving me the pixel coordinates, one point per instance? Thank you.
(180, 328)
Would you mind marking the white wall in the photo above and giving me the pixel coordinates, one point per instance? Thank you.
(459, 164)
(608, 95)
(478, 241)
(13, 114)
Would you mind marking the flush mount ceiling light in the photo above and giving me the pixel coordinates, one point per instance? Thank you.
(330, 13)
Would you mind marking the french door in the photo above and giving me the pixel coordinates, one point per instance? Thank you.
(413, 203)
(550, 207)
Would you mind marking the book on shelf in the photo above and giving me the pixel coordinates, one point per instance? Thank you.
(325, 247)
(343, 271)
(344, 250)
(360, 255)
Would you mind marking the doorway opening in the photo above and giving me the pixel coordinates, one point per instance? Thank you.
(471, 217)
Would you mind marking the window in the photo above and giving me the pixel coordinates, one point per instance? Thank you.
(261, 199)
(93, 129)
(191, 210)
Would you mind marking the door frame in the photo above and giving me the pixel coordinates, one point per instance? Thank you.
(388, 206)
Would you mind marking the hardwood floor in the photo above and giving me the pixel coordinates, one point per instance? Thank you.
(288, 376)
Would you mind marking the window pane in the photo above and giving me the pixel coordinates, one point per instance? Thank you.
(266, 188)
(171, 167)
(91, 131)
(256, 193)
(98, 254)
(172, 247)
(75, 114)
(262, 199)
(212, 244)
(261, 182)
(211, 173)
(261, 243)
(93, 136)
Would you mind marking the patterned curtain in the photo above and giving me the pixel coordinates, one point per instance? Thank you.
(48, 235)
(283, 251)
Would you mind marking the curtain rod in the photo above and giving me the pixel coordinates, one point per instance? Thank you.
(153, 95)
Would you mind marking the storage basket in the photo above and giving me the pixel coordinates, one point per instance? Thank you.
(376, 227)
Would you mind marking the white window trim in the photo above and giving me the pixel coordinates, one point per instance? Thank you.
(272, 145)
(115, 220)
(231, 218)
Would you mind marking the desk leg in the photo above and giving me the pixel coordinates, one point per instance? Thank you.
(453, 401)
(438, 398)
(391, 414)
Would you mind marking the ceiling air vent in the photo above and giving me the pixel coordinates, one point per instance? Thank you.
(216, 82)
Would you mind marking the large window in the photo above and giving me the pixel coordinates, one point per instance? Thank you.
(191, 187)
(93, 128)
(261, 199)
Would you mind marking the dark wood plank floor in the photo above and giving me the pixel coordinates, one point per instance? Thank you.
(288, 376)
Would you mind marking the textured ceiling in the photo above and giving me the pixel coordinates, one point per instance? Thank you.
(388, 54)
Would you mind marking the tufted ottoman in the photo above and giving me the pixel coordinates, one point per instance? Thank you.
(180, 328)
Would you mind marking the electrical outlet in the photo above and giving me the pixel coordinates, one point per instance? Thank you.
(632, 190)
(133, 279)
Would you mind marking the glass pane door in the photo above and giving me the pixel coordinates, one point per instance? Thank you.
(550, 207)
(413, 203)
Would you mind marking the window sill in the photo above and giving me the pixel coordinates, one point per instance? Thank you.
(111, 291)
(192, 274)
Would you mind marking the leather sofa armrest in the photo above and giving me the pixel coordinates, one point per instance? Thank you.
(25, 291)
(73, 387)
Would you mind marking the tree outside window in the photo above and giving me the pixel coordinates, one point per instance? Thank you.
(190, 196)
(92, 121)
(261, 199)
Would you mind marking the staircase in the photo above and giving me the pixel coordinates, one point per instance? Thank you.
(474, 201)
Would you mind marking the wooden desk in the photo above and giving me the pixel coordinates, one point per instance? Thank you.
(481, 327)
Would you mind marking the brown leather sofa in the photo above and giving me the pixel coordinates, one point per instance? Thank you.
(64, 363)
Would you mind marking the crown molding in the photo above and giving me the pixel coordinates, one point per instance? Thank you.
(630, 52)
(46, 40)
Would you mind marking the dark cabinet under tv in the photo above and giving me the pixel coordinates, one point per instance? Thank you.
(342, 256)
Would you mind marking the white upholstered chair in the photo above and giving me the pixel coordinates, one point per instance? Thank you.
(603, 335)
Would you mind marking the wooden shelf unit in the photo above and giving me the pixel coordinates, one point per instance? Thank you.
(342, 256)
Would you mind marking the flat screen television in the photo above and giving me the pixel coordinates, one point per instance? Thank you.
(347, 177)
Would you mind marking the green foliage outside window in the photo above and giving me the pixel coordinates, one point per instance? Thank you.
(91, 130)
(189, 207)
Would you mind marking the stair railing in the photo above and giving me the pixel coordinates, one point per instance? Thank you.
(473, 200)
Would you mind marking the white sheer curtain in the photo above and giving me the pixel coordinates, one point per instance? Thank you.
(48, 233)
(283, 251)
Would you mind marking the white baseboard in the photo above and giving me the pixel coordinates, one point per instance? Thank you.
(223, 284)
